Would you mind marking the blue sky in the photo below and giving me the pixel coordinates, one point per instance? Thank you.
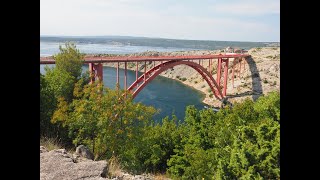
(225, 20)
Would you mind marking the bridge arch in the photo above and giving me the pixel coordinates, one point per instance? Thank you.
(147, 77)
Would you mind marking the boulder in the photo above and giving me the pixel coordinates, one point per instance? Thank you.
(43, 149)
(83, 151)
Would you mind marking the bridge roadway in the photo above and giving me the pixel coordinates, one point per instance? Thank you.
(98, 59)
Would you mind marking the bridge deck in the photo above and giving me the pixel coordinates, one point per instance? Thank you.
(97, 59)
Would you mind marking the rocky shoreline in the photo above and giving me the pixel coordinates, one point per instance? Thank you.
(262, 73)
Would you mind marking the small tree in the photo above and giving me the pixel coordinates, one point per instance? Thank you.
(69, 60)
(67, 72)
(105, 120)
(58, 82)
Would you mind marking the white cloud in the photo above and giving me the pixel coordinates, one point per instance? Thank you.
(248, 7)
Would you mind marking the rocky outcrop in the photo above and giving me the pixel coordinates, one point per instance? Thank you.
(58, 164)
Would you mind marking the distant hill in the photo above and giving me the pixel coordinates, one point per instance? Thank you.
(153, 42)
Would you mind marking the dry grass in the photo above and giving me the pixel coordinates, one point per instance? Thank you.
(50, 143)
(114, 168)
(160, 177)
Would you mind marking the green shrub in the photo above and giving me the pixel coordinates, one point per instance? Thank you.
(183, 79)
(238, 143)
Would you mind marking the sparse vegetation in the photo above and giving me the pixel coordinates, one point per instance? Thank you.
(203, 86)
(114, 167)
(265, 81)
(195, 82)
(50, 143)
(183, 79)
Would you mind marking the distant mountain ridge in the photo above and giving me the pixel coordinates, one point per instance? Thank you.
(154, 42)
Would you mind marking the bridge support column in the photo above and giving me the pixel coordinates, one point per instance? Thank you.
(137, 70)
(145, 70)
(219, 71)
(240, 67)
(118, 74)
(125, 75)
(210, 71)
(225, 85)
(233, 73)
(96, 72)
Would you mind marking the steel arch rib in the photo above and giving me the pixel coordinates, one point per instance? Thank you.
(155, 71)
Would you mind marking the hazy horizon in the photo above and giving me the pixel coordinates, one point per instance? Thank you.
(144, 37)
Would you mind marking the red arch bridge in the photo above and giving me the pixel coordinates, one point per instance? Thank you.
(166, 62)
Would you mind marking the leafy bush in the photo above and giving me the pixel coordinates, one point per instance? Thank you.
(107, 121)
(238, 143)
(183, 79)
